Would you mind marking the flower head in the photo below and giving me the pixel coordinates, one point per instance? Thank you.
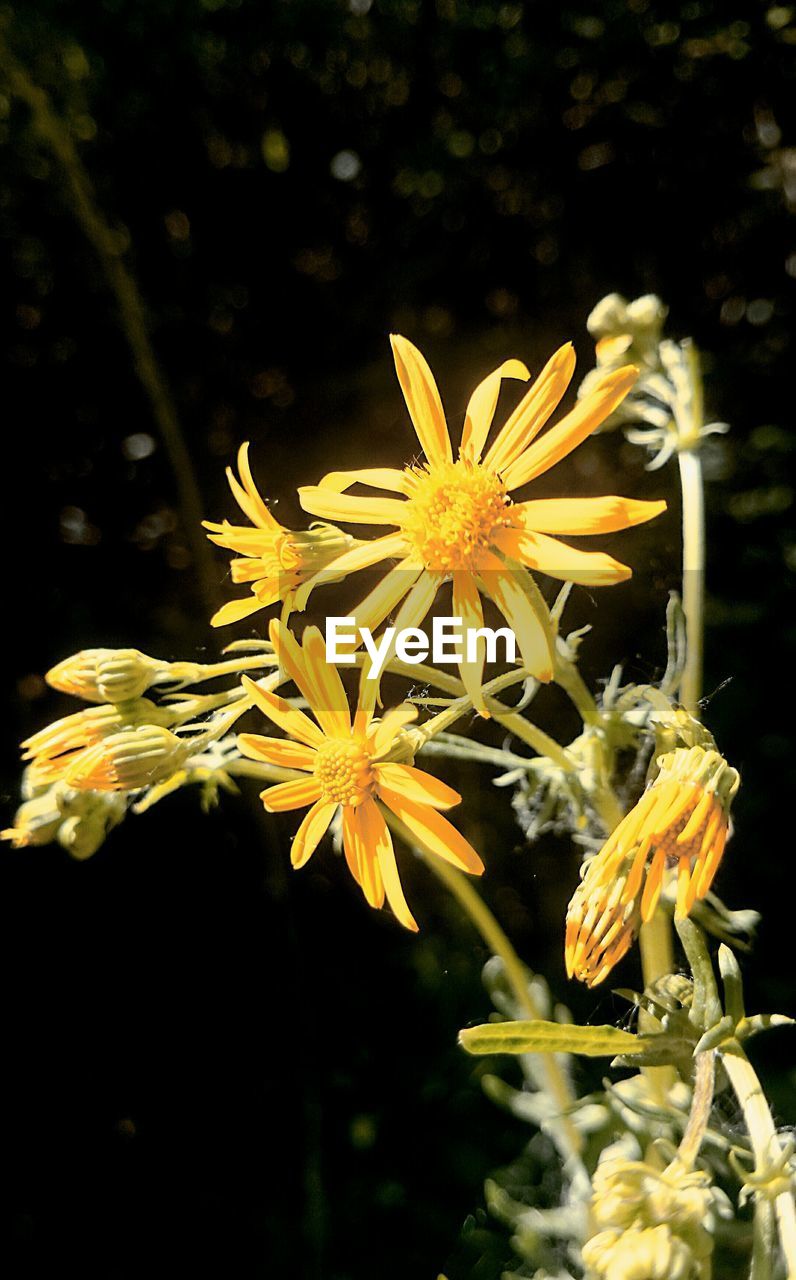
(274, 561)
(679, 825)
(358, 766)
(455, 518)
(78, 820)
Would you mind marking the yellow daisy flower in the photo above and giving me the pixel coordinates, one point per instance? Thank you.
(351, 765)
(681, 824)
(275, 561)
(455, 519)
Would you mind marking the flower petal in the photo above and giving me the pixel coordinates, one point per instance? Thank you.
(349, 507)
(422, 400)
(361, 850)
(533, 411)
(433, 832)
(573, 429)
(522, 605)
(378, 477)
(381, 601)
(390, 725)
(235, 610)
(312, 830)
(280, 751)
(481, 409)
(584, 516)
(467, 606)
(291, 795)
(416, 784)
(331, 704)
(378, 836)
(548, 555)
(264, 517)
(283, 714)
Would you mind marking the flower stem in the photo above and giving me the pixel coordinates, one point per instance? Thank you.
(692, 487)
(763, 1136)
(556, 1083)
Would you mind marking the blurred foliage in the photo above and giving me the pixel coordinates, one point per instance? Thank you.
(288, 183)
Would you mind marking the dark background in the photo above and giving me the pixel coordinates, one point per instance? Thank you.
(214, 1065)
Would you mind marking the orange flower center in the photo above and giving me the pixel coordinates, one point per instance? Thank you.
(454, 509)
(343, 770)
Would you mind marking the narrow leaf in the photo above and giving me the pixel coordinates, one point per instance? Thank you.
(548, 1037)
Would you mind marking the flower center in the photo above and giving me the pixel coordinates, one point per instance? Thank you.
(342, 767)
(689, 848)
(453, 512)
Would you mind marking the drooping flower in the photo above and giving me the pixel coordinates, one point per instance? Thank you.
(359, 766)
(679, 825)
(274, 561)
(455, 518)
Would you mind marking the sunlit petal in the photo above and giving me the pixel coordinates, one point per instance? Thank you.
(481, 409)
(567, 434)
(422, 400)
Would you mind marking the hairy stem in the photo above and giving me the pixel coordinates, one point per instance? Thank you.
(556, 1083)
(692, 487)
(765, 1145)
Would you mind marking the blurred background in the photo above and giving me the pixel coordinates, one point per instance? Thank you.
(215, 1064)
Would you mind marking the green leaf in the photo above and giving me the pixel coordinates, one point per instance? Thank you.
(549, 1037)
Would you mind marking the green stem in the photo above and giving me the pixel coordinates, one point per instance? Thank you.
(556, 1083)
(765, 1145)
(693, 501)
(701, 1104)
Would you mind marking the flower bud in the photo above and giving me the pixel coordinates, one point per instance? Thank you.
(105, 675)
(651, 1253)
(680, 824)
(128, 760)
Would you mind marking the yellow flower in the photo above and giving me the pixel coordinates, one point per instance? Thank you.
(455, 519)
(679, 824)
(275, 561)
(351, 765)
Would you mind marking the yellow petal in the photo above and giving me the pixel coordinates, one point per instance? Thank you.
(280, 751)
(283, 714)
(235, 610)
(311, 831)
(522, 605)
(291, 795)
(378, 835)
(381, 601)
(377, 477)
(416, 784)
(291, 659)
(264, 516)
(557, 560)
(533, 411)
(584, 516)
(366, 701)
(360, 850)
(433, 832)
(481, 409)
(330, 703)
(390, 725)
(422, 400)
(653, 885)
(349, 507)
(573, 429)
(467, 606)
(360, 557)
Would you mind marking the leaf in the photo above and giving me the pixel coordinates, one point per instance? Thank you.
(537, 1036)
